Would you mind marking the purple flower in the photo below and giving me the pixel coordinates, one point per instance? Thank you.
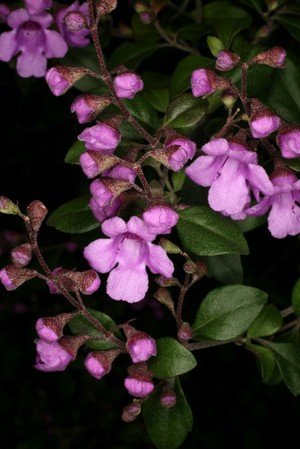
(232, 172)
(160, 219)
(138, 388)
(95, 366)
(51, 356)
(21, 255)
(130, 248)
(100, 137)
(4, 13)
(45, 332)
(61, 78)
(226, 60)
(288, 140)
(6, 281)
(178, 157)
(101, 213)
(37, 6)
(284, 217)
(127, 85)
(141, 349)
(201, 83)
(264, 123)
(74, 38)
(35, 43)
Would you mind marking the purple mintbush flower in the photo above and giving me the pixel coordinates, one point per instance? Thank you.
(88, 106)
(45, 330)
(61, 78)
(6, 280)
(51, 356)
(98, 363)
(226, 60)
(232, 172)
(93, 162)
(263, 123)
(4, 13)
(21, 255)
(138, 388)
(127, 85)
(37, 6)
(284, 217)
(130, 248)
(177, 152)
(74, 38)
(160, 219)
(205, 82)
(288, 140)
(101, 213)
(35, 43)
(140, 345)
(101, 137)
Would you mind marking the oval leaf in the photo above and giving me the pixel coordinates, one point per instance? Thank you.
(267, 323)
(185, 111)
(172, 359)
(287, 358)
(167, 427)
(227, 312)
(74, 153)
(227, 269)
(207, 233)
(74, 217)
(265, 361)
(141, 109)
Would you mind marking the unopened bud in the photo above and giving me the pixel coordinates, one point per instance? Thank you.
(228, 98)
(288, 140)
(189, 267)
(184, 332)
(12, 277)
(168, 397)
(205, 82)
(75, 21)
(201, 269)
(160, 219)
(93, 163)
(263, 122)
(104, 191)
(275, 57)
(146, 17)
(263, 32)
(61, 78)
(127, 84)
(163, 295)
(166, 282)
(227, 60)
(140, 345)
(140, 7)
(131, 411)
(88, 106)
(37, 212)
(139, 382)
(51, 328)
(21, 255)
(98, 363)
(8, 207)
(105, 6)
(169, 246)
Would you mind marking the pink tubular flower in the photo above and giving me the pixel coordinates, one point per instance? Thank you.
(138, 388)
(101, 213)
(130, 248)
(201, 84)
(160, 219)
(37, 6)
(61, 78)
(177, 152)
(45, 331)
(74, 38)
(127, 85)
(88, 106)
(226, 60)
(284, 217)
(51, 356)
(141, 349)
(98, 363)
(6, 280)
(288, 140)
(33, 40)
(100, 137)
(232, 172)
(264, 123)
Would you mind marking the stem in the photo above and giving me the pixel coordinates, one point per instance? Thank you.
(286, 312)
(287, 326)
(182, 293)
(209, 344)
(172, 40)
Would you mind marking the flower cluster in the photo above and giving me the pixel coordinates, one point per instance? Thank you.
(31, 40)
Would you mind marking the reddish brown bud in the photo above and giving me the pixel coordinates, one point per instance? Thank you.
(184, 332)
(131, 411)
(12, 277)
(163, 295)
(169, 246)
(275, 57)
(72, 344)
(166, 282)
(51, 328)
(21, 255)
(37, 212)
(105, 6)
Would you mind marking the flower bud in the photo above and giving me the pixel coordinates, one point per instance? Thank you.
(105, 6)
(146, 17)
(160, 219)
(176, 154)
(8, 207)
(228, 98)
(61, 78)
(101, 213)
(126, 85)
(101, 137)
(263, 121)
(205, 82)
(88, 106)
(104, 191)
(140, 345)
(12, 277)
(87, 281)
(75, 21)
(98, 363)
(166, 282)
(163, 295)
(275, 57)
(189, 267)
(184, 332)
(169, 246)
(139, 382)
(93, 163)
(21, 255)
(131, 411)
(227, 60)
(51, 328)
(37, 212)
(288, 140)
(168, 397)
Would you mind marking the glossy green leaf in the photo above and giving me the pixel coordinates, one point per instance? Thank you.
(287, 358)
(207, 233)
(158, 98)
(81, 326)
(185, 110)
(227, 312)
(181, 78)
(293, 163)
(74, 216)
(267, 323)
(74, 153)
(227, 268)
(296, 298)
(131, 54)
(172, 359)
(167, 427)
(142, 110)
(265, 361)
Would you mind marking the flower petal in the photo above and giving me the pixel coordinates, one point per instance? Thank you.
(216, 147)
(56, 46)
(284, 218)
(102, 254)
(114, 226)
(261, 208)
(139, 227)
(258, 178)
(127, 284)
(204, 169)
(17, 17)
(158, 261)
(8, 45)
(31, 64)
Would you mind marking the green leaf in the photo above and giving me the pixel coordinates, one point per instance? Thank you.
(296, 298)
(215, 45)
(81, 326)
(167, 427)
(172, 359)
(207, 233)
(74, 153)
(181, 78)
(256, 4)
(251, 223)
(291, 24)
(267, 323)
(228, 28)
(178, 179)
(141, 109)
(222, 10)
(287, 358)
(158, 98)
(131, 54)
(193, 31)
(265, 361)
(293, 163)
(227, 268)
(184, 111)
(227, 312)
(284, 94)
(74, 217)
